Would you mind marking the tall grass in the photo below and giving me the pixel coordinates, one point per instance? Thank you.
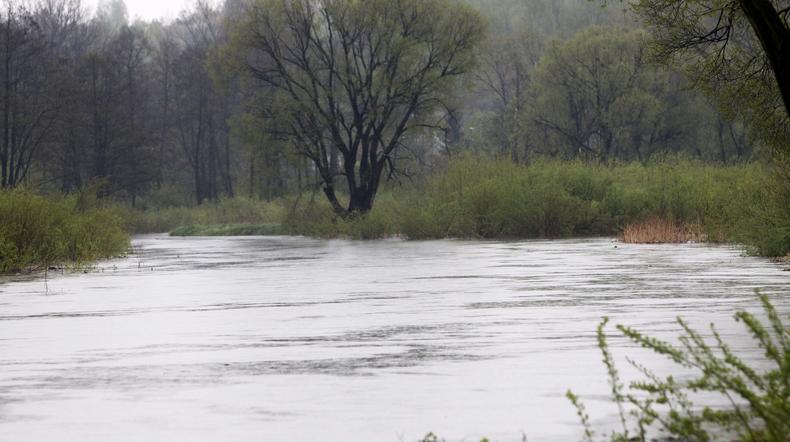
(475, 197)
(479, 198)
(764, 221)
(661, 231)
(36, 232)
(239, 210)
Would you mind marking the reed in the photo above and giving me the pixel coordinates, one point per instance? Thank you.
(657, 230)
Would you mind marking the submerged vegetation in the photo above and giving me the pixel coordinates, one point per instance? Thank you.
(36, 232)
(758, 410)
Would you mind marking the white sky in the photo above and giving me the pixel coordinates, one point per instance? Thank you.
(150, 9)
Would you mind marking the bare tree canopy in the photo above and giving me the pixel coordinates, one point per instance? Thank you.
(738, 49)
(355, 78)
(268, 98)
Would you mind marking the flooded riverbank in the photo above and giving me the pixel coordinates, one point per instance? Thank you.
(297, 339)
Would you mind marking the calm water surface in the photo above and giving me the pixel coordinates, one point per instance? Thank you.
(298, 339)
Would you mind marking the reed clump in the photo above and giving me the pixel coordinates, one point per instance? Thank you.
(662, 231)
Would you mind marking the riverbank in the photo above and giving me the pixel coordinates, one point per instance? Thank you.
(476, 198)
(37, 233)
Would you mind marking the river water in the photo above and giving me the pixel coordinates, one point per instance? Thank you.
(285, 338)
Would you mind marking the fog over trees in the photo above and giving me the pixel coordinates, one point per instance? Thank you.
(267, 97)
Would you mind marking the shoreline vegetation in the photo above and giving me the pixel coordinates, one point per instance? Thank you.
(671, 200)
(37, 233)
(665, 201)
(757, 392)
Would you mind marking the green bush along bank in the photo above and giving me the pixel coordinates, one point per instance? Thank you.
(228, 211)
(478, 198)
(228, 230)
(37, 232)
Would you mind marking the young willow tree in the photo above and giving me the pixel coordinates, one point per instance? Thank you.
(352, 79)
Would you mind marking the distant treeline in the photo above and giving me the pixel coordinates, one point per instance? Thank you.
(152, 114)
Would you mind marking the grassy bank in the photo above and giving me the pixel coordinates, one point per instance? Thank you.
(228, 230)
(237, 211)
(37, 232)
(476, 198)
(482, 198)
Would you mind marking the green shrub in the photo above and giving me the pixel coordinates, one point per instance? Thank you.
(238, 210)
(483, 198)
(478, 197)
(36, 232)
(764, 216)
(228, 230)
(759, 398)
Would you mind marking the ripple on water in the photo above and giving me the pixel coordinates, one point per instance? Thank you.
(302, 339)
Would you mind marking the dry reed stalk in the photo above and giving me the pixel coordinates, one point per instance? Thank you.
(661, 231)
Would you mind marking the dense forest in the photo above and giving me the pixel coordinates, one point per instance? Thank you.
(156, 109)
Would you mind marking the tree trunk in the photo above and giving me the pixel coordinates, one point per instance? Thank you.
(722, 149)
(775, 40)
(227, 177)
(6, 103)
(363, 196)
(361, 201)
(329, 191)
(163, 128)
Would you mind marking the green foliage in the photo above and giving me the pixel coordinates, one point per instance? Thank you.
(581, 411)
(482, 198)
(431, 437)
(36, 232)
(237, 210)
(229, 230)
(732, 67)
(346, 82)
(765, 224)
(759, 408)
(316, 218)
(477, 197)
(596, 96)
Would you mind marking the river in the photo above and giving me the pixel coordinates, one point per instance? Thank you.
(282, 338)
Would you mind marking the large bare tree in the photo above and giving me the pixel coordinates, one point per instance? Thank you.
(353, 78)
